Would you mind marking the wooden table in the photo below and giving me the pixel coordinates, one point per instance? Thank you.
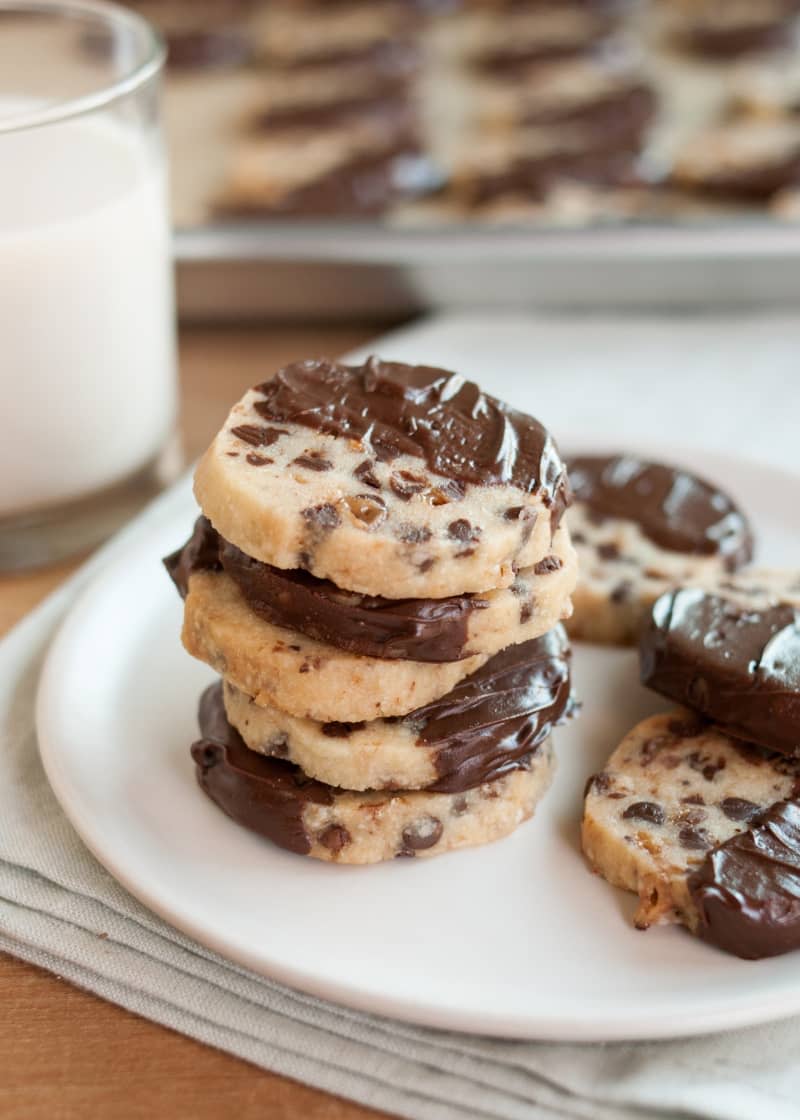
(65, 1053)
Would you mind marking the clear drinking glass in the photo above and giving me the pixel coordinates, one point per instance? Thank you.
(87, 327)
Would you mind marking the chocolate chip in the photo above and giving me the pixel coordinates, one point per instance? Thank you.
(325, 516)
(426, 564)
(695, 839)
(365, 473)
(406, 485)
(739, 809)
(599, 783)
(622, 592)
(513, 513)
(706, 765)
(258, 436)
(645, 811)
(369, 509)
(608, 551)
(414, 534)
(278, 746)
(685, 728)
(462, 530)
(232, 454)
(422, 834)
(334, 837)
(691, 815)
(313, 461)
(257, 460)
(335, 730)
(579, 538)
(305, 667)
(693, 799)
(459, 806)
(525, 612)
(549, 564)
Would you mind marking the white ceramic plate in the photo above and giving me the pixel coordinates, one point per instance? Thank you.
(515, 939)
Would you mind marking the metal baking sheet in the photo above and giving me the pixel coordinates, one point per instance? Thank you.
(334, 270)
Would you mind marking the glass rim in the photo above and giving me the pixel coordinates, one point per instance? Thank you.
(112, 15)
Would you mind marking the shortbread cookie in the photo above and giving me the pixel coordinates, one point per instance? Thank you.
(699, 826)
(388, 479)
(616, 104)
(359, 165)
(524, 36)
(285, 669)
(731, 650)
(275, 799)
(746, 159)
(411, 629)
(472, 735)
(734, 28)
(640, 528)
(288, 36)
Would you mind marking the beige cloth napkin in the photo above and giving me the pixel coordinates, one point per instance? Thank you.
(61, 910)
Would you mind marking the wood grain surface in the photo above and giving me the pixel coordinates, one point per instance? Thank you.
(65, 1053)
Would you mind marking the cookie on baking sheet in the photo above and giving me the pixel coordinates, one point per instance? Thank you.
(389, 479)
(705, 829)
(639, 528)
(408, 629)
(730, 649)
(727, 31)
(473, 734)
(615, 103)
(528, 35)
(275, 799)
(357, 165)
(744, 159)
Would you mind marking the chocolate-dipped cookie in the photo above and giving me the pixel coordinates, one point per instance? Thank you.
(472, 735)
(615, 105)
(639, 528)
(705, 829)
(424, 630)
(525, 36)
(730, 649)
(274, 798)
(384, 478)
(749, 160)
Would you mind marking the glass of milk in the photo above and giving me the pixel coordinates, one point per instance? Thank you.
(87, 335)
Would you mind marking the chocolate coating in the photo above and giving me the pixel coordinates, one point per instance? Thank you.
(407, 629)
(200, 553)
(266, 795)
(736, 664)
(495, 718)
(431, 414)
(747, 890)
(674, 509)
(411, 629)
(729, 42)
(619, 116)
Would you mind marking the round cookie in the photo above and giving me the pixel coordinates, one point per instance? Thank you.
(607, 100)
(746, 159)
(640, 528)
(428, 630)
(730, 649)
(275, 799)
(468, 737)
(704, 829)
(281, 668)
(388, 479)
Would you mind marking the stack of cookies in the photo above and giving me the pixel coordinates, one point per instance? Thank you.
(378, 576)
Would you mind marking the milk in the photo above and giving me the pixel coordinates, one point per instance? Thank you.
(87, 381)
